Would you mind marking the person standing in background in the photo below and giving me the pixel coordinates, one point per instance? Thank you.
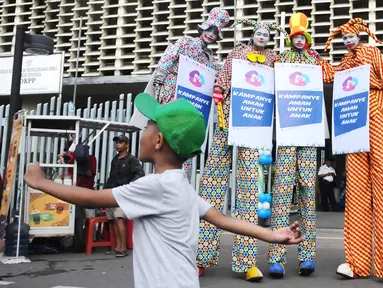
(85, 179)
(125, 168)
(326, 182)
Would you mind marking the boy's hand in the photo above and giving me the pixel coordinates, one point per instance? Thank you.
(34, 175)
(288, 235)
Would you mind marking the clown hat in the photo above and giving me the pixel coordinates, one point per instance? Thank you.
(354, 26)
(298, 25)
(219, 18)
(257, 25)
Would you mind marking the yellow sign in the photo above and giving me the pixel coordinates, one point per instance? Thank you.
(47, 211)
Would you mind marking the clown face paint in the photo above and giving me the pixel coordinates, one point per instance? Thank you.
(261, 37)
(350, 40)
(299, 41)
(209, 36)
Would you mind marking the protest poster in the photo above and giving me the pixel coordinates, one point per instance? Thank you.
(195, 83)
(350, 121)
(299, 105)
(252, 105)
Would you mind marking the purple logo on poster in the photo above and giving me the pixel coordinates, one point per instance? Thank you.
(196, 78)
(299, 79)
(254, 78)
(349, 84)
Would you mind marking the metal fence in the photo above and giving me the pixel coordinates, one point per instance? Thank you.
(46, 149)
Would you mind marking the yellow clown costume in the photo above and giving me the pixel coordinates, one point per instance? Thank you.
(364, 188)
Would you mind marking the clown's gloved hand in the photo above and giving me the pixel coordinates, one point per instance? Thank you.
(217, 96)
(313, 53)
(159, 78)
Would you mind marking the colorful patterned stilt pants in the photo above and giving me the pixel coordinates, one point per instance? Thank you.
(187, 167)
(213, 186)
(364, 204)
(294, 165)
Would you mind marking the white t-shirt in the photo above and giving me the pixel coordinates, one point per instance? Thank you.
(324, 169)
(166, 212)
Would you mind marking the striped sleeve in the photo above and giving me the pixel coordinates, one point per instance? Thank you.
(327, 70)
(377, 64)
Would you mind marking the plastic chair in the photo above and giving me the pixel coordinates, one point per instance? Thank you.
(107, 235)
(129, 233)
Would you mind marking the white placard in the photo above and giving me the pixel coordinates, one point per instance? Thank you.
(40, 74)
(299, 105)
(138, 119)
(252, 105)
(350, 120)
(195, 83)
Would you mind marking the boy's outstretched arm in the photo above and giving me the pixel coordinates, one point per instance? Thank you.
(288, 235)
(35, 178)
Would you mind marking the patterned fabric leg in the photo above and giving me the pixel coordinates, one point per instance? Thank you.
(187, 167)
(245, 248)
(376, 154)
(307, 164)
(166, 93)
(213, 186)
(358, 215)
(285, 176)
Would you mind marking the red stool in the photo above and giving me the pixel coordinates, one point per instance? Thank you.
(129, 224)
(107, 235)
(129, 233)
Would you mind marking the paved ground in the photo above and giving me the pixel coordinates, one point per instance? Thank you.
(330, 220)
(99, 271)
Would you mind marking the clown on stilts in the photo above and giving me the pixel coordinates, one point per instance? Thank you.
(295, 166)
(165, 77)
(364, 188)
(215, 177)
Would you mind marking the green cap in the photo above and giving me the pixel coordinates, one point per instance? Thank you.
(181, 124)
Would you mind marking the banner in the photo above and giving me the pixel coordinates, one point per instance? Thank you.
(252, 105)
(9, 175)
(195, 83)
(300, 109)
(40, 74)
(47, 211)
(350, 121)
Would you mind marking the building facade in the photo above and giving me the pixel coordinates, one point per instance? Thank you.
(127, 37)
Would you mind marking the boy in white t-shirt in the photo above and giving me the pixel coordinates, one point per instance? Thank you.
(165, 207)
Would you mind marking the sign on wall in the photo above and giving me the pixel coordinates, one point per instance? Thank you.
(41, 74)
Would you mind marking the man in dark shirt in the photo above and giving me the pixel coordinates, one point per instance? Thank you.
(125, 168)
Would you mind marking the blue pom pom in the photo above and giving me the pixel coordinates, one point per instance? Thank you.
(264, 214)
(262, 197)
(263, 159)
